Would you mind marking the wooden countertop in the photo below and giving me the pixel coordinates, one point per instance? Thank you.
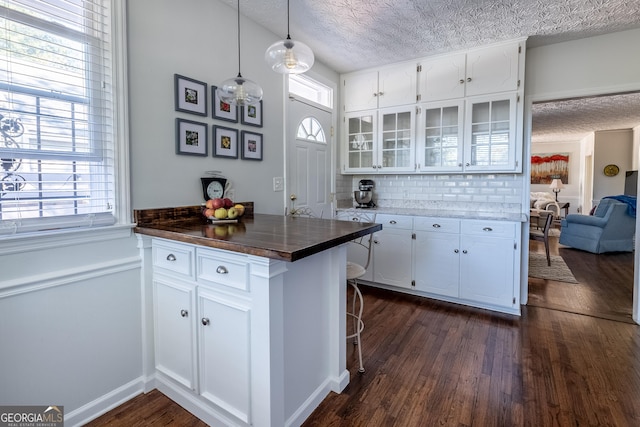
(272, 236)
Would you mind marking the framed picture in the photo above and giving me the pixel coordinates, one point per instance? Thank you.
(545, 167)
(251, 145)
(222, 110)
(252, 115)
(191, 95)
(191, 138)
(225, 142)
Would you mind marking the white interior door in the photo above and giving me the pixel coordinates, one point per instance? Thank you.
(309, 152)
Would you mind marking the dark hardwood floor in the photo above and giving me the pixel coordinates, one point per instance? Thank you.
(437, 364)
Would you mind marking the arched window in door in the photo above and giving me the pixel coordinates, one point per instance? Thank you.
(310, 129)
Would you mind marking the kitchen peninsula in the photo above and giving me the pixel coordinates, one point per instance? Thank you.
(245, 322)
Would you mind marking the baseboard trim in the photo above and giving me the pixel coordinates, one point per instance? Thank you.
(105, 403)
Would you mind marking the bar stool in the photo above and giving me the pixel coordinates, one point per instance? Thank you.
(355, 271)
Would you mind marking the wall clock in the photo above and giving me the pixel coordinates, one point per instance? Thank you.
(611, 170)
(213, 187)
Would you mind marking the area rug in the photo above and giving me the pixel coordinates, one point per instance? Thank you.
(558, 271)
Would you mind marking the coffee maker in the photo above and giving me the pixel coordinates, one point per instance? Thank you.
(364, 194)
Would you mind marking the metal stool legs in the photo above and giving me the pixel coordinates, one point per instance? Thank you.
(358, 323)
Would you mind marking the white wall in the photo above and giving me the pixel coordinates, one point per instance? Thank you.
(611, 147)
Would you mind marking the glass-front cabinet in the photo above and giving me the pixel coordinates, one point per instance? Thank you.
(440, 137)
(490, 134)
(380, 141)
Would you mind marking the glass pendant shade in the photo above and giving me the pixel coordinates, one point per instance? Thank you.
(289, 57)
(239, 91)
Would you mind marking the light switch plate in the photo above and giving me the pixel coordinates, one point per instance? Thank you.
(278, 183)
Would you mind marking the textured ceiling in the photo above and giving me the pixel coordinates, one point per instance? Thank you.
(349, 35)
(574, 119)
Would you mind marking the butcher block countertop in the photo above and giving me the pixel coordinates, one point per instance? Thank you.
(278, 237)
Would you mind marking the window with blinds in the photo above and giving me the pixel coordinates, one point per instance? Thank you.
(56, 115)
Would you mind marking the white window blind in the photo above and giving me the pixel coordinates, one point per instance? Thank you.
(56, 115)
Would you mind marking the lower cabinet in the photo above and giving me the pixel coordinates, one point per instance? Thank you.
(202, 334)
(473, 262)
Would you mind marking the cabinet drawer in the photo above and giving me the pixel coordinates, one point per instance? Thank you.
(488, 228)
(437, 225)
(395, 221)
(215, 267)
(173, 257)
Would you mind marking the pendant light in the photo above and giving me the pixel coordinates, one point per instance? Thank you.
(289, 57)
(238, 90)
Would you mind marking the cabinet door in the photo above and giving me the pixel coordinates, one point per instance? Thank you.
(397, 85)
(437, 263)
(224, 353)
(174, 317)
(440, 136)
(490, 139)
(443, 77)
(392, 248)
(486, 270)
(360, 91)
(492, 69)
(396, 136)
(360, 142)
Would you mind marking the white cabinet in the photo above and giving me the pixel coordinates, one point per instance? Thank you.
(224, 352)
(476, 135)
(480, 71)
(488, 256)
(437, 256)
(472, 262)
(385, 87)
(202, 323)
(392, 250)
(357, 253)
(175, 338)
(380, 141)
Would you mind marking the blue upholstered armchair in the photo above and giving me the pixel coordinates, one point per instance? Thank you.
(610, 229)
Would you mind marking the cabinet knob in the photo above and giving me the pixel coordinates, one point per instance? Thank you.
(171, 257)
(222, 269)
(468, 79)
(461, 81)
(375, 94)
(380, 93)
(205, 321)
(455, 251)
(467, 164)
(376, 242)
(464, 251)
(436, 225)
(487, 229)
(184, 313)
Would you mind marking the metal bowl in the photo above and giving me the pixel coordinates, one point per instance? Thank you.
(363, 197)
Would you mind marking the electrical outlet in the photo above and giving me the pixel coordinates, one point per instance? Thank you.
(278, 183)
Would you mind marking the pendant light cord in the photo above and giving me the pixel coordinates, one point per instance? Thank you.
(239, 75)
(288, 32)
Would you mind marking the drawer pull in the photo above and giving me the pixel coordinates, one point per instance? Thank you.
(355, 219)
(487, 229)
(171, 257)
(464, 251)
(205, 321)
(222, 269)
(455, 251)
(393, 222)
(436, 225)
(184, 313)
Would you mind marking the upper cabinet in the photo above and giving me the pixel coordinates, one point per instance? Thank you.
(463, 115)
(385, 87)
(477, 72)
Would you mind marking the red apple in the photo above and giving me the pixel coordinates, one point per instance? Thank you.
(209, 204)
(227, 203)
(217, 203)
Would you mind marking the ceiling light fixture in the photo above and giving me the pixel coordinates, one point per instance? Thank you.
(289, 57)
(238, 90)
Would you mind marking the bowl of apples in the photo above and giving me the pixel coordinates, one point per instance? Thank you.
(222, 209)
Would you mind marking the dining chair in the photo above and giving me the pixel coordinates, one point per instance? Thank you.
(541, 231)
(305, 211)
(355, 271)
